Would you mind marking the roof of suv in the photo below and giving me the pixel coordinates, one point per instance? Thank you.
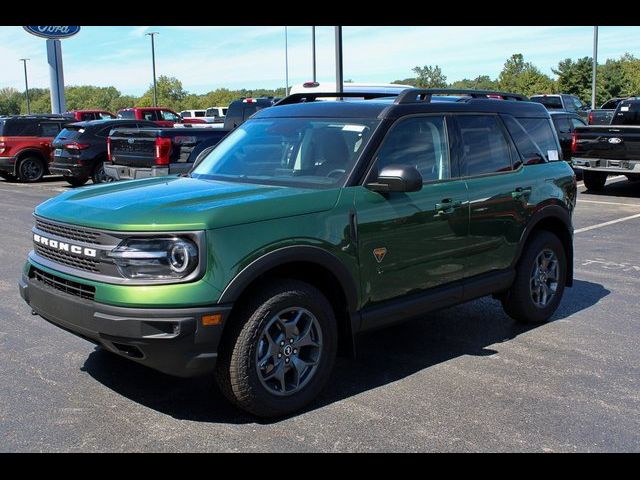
(382, 108)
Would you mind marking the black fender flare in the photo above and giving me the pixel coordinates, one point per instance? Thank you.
(560, 213)
(27, 152)
(297, 253)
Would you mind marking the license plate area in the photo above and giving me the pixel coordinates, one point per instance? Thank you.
(57, 152)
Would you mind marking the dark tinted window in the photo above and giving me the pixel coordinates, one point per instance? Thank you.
(529, 151)
(18, 128)
(49, 129)
(577, 122)
(127, 114)
(200, 113)
(610, 105)
(69, 133)
(186, 114)
(484, 146)
(85, 117)
(150, 115)
(420, 142)
(628, 113)
(541, 132)
(549, 102)
(562, 124)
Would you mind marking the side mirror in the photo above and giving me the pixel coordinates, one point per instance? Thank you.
(397, 178)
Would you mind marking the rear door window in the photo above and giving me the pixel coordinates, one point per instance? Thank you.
(150, 115)
(19, 128)
(484, 147)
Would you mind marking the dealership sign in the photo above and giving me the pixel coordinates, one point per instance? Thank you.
(53, 32)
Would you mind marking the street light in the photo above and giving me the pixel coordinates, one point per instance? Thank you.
(26, 84)
(286, 62)
(153, 60)
(595, 67)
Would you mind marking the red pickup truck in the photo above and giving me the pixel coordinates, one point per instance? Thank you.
(88, 115)
(161, 116)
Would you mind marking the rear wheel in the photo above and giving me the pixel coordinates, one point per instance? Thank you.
(594, 181)
(76, 181)
(541, 276)
(279, 349)
(99, 175)
(31, 169)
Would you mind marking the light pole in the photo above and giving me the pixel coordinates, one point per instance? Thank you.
(313, 51)
(339, 72)
(26, 84)
(153, 61)
(286, 62)
(595, 67)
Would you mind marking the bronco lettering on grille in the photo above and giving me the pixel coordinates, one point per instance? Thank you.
(64, 247)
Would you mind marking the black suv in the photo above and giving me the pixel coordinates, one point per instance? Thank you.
(80, 150)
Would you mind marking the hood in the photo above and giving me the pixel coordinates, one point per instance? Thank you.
(181, 203)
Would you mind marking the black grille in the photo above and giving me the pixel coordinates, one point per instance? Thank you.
(78, 234)
(67, 286)
(65, 258)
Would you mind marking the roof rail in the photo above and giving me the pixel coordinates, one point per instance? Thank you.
(414, 95)
(313, 96)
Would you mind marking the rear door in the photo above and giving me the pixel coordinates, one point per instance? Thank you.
(497, 188)
(411, 242)
(48, 130)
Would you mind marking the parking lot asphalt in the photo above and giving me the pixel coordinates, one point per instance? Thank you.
(465, 378)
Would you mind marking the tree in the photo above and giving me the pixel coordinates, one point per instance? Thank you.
(10, 100)
(481, 82)
(518, 76)
(170, 94)
(430, 77)
(575, 78)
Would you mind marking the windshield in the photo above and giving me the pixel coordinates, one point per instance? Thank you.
(305, 152)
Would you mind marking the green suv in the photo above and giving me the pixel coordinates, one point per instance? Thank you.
(310, 223)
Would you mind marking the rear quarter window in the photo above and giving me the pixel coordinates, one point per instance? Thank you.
(541, 132)
(529, 151)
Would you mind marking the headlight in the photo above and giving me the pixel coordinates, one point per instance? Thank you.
(156, 258)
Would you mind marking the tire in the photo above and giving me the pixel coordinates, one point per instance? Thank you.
(594, 181)
(520, 301)
(238, 373)
(76, 181)
(98, 175)
(31, 170)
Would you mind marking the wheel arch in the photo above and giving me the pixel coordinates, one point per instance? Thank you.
(557, 220)
(27, 152)
(312, 265)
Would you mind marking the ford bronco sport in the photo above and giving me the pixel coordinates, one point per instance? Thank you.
(310, 223)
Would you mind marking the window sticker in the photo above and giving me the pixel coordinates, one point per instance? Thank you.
(552, 154)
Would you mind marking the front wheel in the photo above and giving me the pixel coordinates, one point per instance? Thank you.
(594, 181)
(541, 276)
(31, 170)
(279, 350)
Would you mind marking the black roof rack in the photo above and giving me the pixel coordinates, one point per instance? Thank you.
(415, 95)
(52, 116)
(313, 96)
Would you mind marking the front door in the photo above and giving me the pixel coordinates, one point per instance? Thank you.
(410, 242)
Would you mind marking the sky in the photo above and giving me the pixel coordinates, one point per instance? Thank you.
(206, 58)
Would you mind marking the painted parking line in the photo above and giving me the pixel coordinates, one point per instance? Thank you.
(637, 205)
(605, 224)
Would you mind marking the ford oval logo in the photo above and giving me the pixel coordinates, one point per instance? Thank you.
(615, 140)
(53, 32)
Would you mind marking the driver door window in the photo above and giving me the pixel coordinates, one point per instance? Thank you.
(420, 142)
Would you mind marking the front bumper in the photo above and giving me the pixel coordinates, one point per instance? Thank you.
(171, 340)
(121, 172)
(8, 164)
(606, 165)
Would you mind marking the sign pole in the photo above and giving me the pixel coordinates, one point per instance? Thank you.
(56, 75)
(595, 67)
(339, 70)
(26, 84)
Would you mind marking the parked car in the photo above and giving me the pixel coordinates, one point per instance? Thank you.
(565, 124)
(217, 112)
(309, 224)
(562, 101)
(240, 110)
(87, 115)
(80, 149)
(603, 150)
(315, 87)
(193, 113)
(153, 152)
(604, 114)
(25, 145)
(161, 116)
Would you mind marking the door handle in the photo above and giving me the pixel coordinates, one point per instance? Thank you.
(520, 192)
(447, 207)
